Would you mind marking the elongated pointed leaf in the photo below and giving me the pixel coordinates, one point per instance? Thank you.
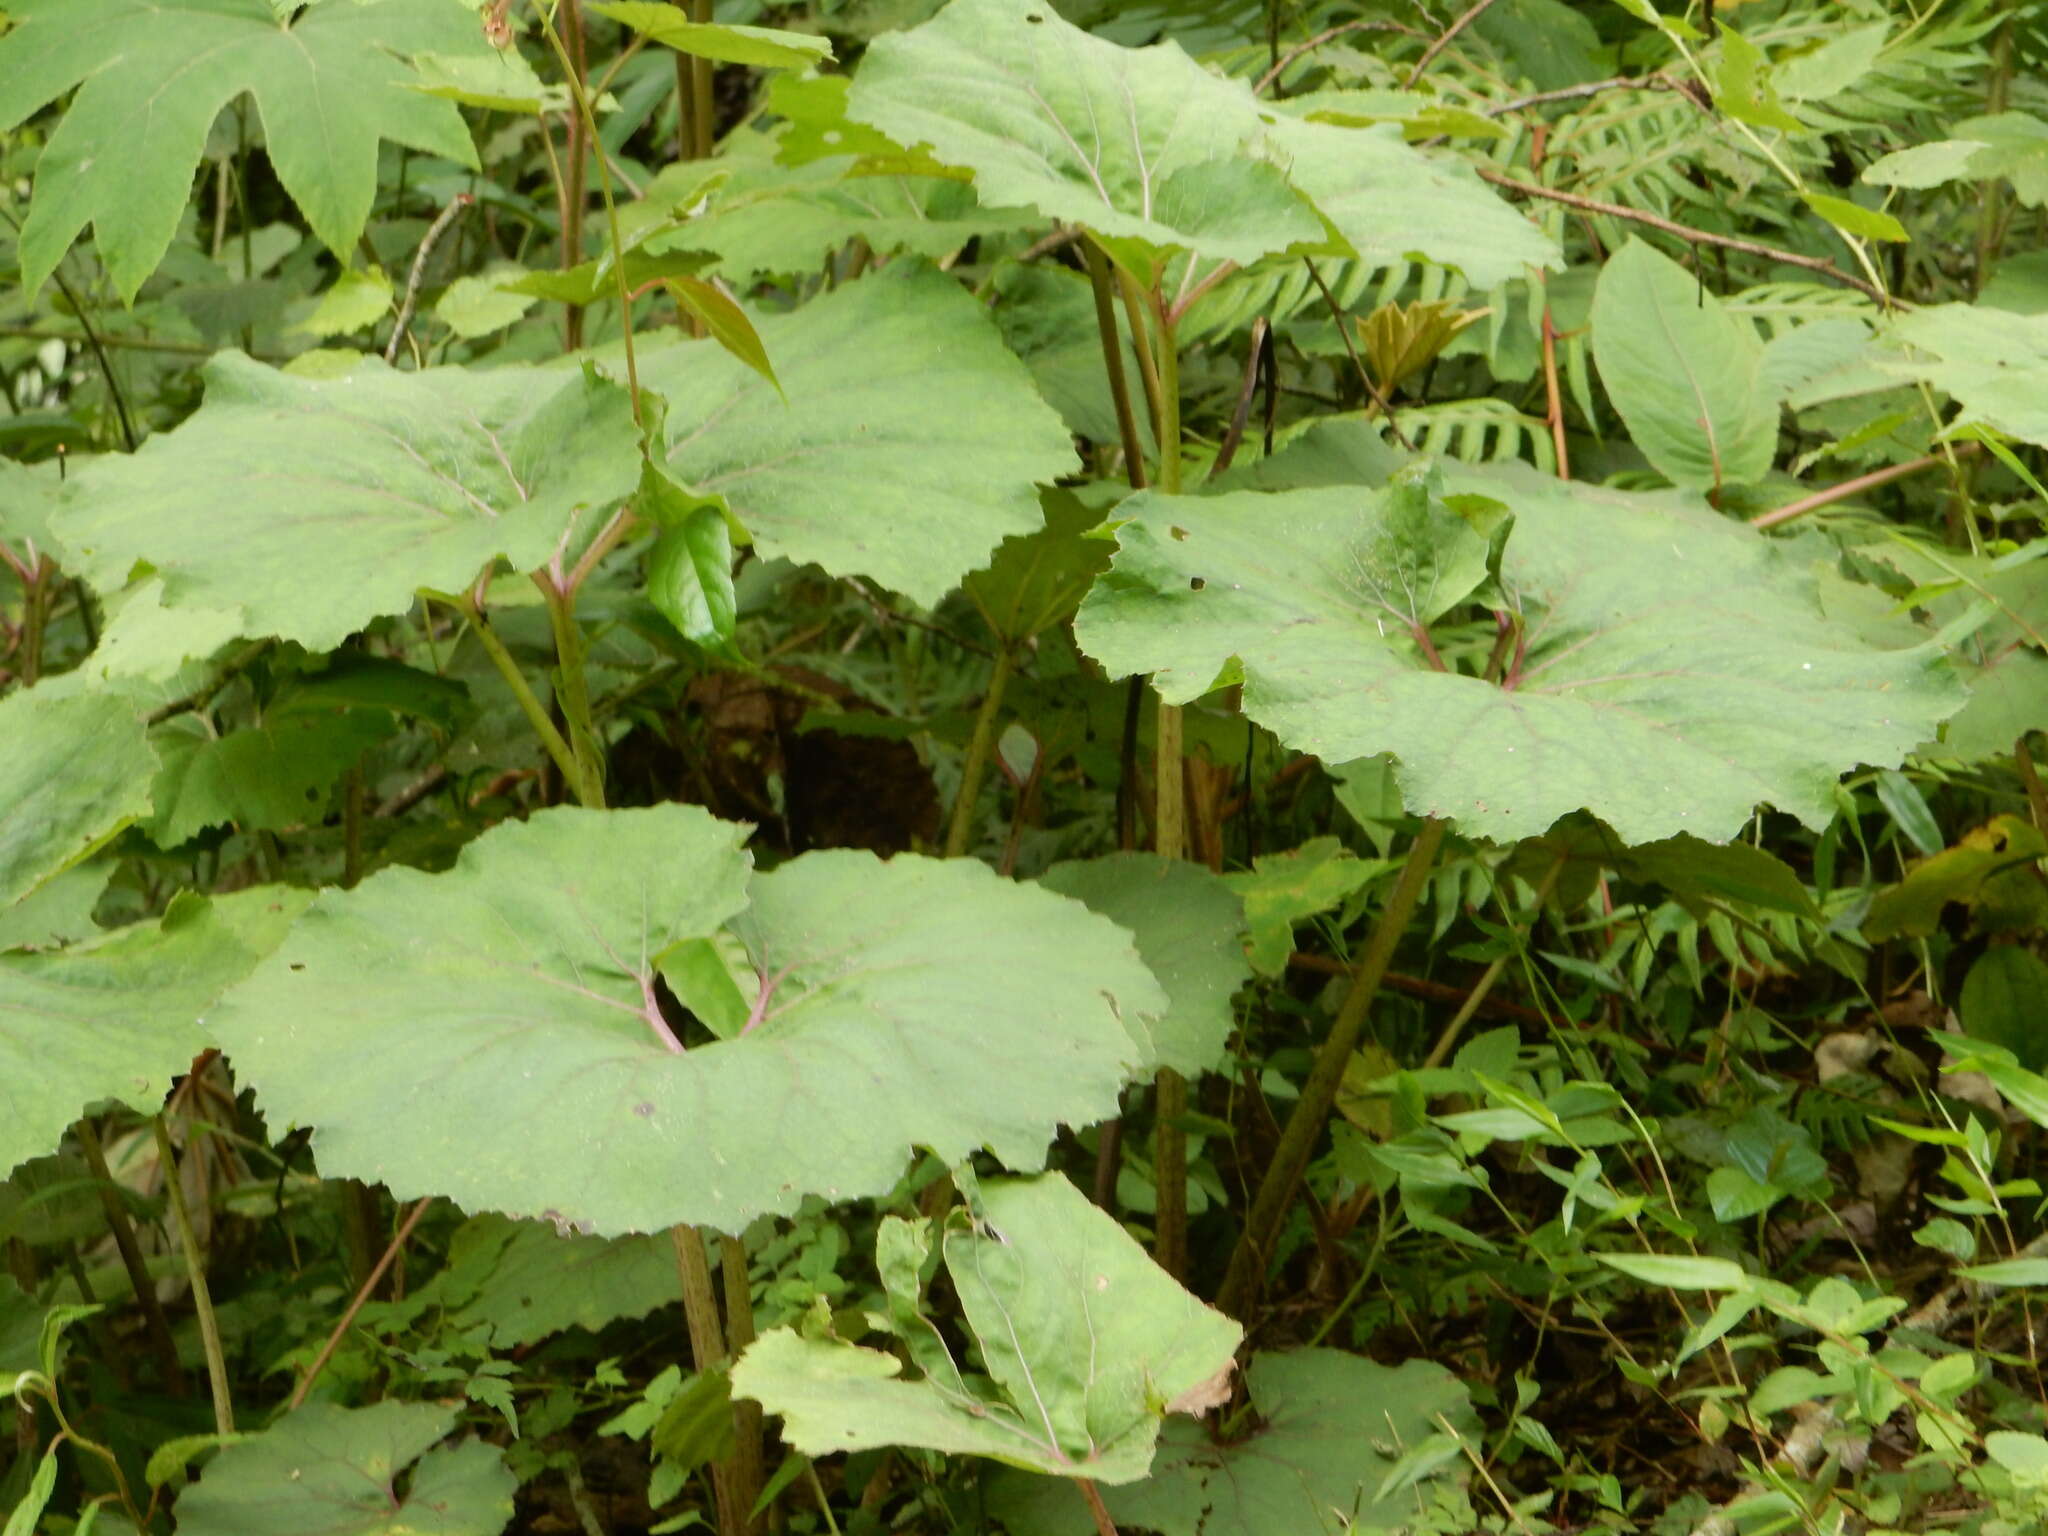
(335, 1471)
(118, 1018)
(496, 1034)
(1138, 144)
(154, 74)
(1676, 671)
(909, 446)
(1686, 375)
(761, 46)
(75, 768)
(317, 505)
(1088, 1342)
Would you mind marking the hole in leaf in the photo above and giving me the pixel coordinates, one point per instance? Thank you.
(1195, 583)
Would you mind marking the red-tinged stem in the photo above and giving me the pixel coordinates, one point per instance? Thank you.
(363, 1294)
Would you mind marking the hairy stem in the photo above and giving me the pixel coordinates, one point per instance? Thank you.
(123, 1230)
(1304, 1129)
(195, 1275)
(960, 830)
(363, 1293)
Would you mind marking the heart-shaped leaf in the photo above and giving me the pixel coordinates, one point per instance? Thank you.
(1668, 705)
(498, 1034)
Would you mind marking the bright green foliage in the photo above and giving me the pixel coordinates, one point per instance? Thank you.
(1392, 202)
(1663, 709)
(1331, 1433)
(76, 770)
(510, 1008)
(905, 445)
(2011, 145)
(707, 40)
(153, 74)
(316, 505)
(1141, 146)
(1087, 1345)
(1683, 372)
(1282, 889)
(1189, 927)
(118, 1017)
(1995, 364)
(335, 1471)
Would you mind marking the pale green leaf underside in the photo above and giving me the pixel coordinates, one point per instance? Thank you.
(1994, 362)
(1086, 1338)
(1190, 931)
(1685, 374)
(910, 445)
(1329, 1428)
(1679, 670)
(334, 1471)
(1391, 201)
(74, 769)
(494, 1034)
(119, 1017)
(317, 505)
(154, 74)
(1136, 144)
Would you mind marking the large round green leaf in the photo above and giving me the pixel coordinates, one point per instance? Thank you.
(330, 1471)
(1087, 1342)
(498, 1035)
(119, 1017)
(1141, 145)
(75, 768)
(909, 445)
(1677, 669)
(316, 505)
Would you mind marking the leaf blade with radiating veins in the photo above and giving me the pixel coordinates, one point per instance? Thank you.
(497, 1035)
(316, 505)
(118, 1017)
(154, 74)
(1685, 374)
(1089, 1342)
(1678, 669)
(910, 444)
(1140, 145)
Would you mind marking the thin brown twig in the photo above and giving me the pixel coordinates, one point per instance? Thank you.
(1330, 36)
(1445, 39)
(1580, 92)
(1849, 488)
(435, 230)
(363, 1293)
(1364, 377)
(1693, 236)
